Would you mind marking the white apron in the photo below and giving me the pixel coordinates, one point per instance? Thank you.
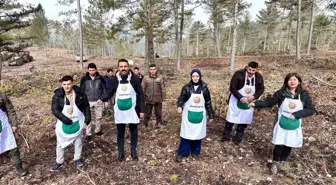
(125, 102)
(238, 112)
(7, 139)
(288, 131)
(67, 134)
(193, 125)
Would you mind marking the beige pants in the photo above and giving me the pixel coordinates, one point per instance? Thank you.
(96, 113)
(78, 150)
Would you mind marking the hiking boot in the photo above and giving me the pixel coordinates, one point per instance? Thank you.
(20, 170)
(79, 164)
(121, 156)
(225, 139)
(134, 155)
(56, 167)
(178, 158)
(195, 156)
(275, 167)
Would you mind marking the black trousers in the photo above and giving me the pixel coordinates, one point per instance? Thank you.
(239, 134)
(121, 136)
(281, 152)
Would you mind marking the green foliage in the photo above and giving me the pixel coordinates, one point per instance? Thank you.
(39, 29)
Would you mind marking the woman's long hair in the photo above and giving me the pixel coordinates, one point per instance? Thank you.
(290, 75)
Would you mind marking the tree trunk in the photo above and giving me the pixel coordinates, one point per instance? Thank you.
(265, 38)
(150, 49)
(197, 44)
(188, 41)
(298, 30)
(180, 37)
(234, 35)
(289, 32)
(311, 27)
(280, 36)
(80, 34)
(244, 45)
(176, 25)
(228, 43)
(216, 27)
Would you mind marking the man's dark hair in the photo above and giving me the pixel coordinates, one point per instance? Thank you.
(92, 65)
(253, 64)
(136, 68)
(66, 78)
(109, 70)
(123, 60)
(152, 65)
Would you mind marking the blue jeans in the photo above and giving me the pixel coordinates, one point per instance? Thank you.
(188, 147)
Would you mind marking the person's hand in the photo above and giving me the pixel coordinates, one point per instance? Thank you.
(179, 110)
(250, 98)
(292, 116)
(251, 105)
(14, 129)
(99, 102)
(142, 115)
(106, 104)
(243, 100)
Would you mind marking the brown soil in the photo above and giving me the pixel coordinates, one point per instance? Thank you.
(31, 86)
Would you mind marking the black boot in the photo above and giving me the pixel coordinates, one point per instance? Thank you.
(134, 155)
(240, 133)
(20, 170)
(227, 131)
(121, 154)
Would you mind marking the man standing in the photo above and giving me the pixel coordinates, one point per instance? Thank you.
(138, 74)
(72, 110)
(92, 84)
(246, 85)
(155, 93)
(108, 84)
(129, 106)
(8, 127)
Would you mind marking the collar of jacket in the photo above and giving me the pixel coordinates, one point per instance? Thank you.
(89, 77)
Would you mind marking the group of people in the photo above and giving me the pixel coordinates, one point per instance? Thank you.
(134, 96)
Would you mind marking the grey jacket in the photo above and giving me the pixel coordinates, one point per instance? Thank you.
(93, 88)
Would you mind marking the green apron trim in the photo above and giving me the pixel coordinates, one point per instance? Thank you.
(243, 106)
(71, 129)
(288, 123)
(195, 117)
(124, 104)
(0, 126)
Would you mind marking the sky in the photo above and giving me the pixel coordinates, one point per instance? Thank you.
(52, 9)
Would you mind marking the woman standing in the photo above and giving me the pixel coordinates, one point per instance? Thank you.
(294, 104)
(195, 105)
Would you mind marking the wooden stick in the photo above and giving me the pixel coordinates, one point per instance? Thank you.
(331, 85)
(87, 176)
(25, 141)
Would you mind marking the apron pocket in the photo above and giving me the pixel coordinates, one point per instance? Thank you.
(71, 129)
(124, 104)
(288, 123)
(0, 126)
(195, 117)
(243, 106)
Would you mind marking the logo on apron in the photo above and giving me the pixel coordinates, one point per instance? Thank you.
(291, 105)
(70, 110)
(197, 99)
(248, 90)
(124, 88)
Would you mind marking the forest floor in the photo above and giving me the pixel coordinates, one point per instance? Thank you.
(30, 87)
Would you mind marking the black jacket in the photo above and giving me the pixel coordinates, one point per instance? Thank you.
(135, 82)
(279, 96)
(94, 89)
(238, 82)
(186, 92)
(81, 102)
